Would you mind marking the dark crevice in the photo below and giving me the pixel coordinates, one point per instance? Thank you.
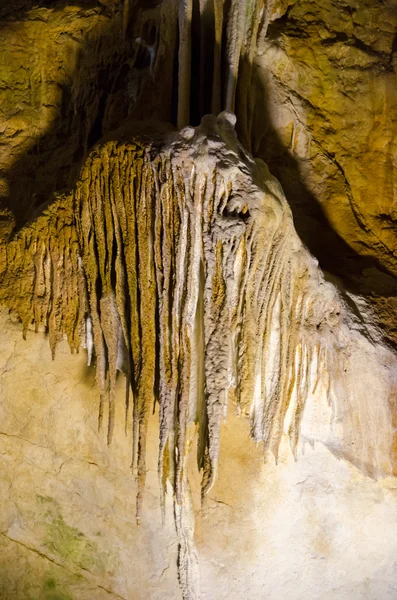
(202, 62)
(355, 42)
(277, 27)
(174, 91)
(242, 215)
(394, 44)
(369, 50)
(148, 4)
(195, 83)
(340, 37)
(121, 78)
(96, 131)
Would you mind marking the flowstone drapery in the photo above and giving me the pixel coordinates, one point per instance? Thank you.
(175, 260)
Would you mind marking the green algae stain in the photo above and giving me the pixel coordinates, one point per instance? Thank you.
(50, 588)
(69, 543)
(50, 591)
(50, 584)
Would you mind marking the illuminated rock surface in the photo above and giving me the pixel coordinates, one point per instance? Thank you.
(175, 258)
(317, 526)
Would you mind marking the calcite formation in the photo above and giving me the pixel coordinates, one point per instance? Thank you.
(176, 261)
(173, 256)
(312, 88)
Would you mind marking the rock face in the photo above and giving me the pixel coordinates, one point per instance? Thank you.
(68, 501)
(175, 258)
(69, 74)
(68, 527)
(325, 122)
(330, 75)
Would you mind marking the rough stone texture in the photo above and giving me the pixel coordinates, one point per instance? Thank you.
(68, 528)
(329, 73)
(313, 85)
(317, 527)
(69, 74)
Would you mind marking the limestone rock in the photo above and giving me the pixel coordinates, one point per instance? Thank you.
(173, 264)
(177, 262)
(326, 74)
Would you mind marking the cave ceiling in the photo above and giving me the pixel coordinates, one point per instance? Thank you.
(313, 87)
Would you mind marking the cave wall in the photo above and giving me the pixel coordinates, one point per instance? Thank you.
(68, 519)
(328, 71)
(317, 526)
(315, 98)
(313, 88)
(70, 73)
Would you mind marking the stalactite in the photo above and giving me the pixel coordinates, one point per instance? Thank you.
(176, 261)
(228, 40)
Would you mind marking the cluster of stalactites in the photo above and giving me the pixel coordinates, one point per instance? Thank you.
(225, 36)
(163, 268)
(41, 279)
(176, 269)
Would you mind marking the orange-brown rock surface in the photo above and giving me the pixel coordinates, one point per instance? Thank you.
(163, 249)
(313, 87)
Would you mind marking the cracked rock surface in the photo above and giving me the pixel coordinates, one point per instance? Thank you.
(262, 414)
(68, 526)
